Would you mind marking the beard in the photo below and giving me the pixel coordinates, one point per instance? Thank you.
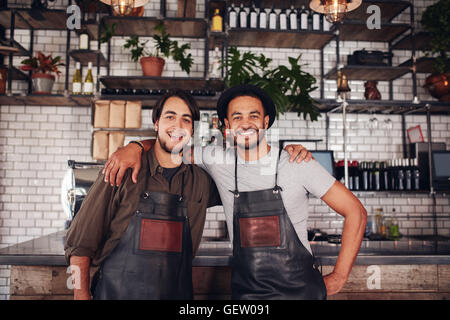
(176, 149)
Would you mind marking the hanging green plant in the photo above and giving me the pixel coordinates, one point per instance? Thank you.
(288, 86)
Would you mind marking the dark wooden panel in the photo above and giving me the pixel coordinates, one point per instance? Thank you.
(145, 27)
(53, 19)
(365, 73)
(355, 31)
(393, 278)
(423, 64)
(86, 56)
(421, 42)
(143, 82)
(278, 39)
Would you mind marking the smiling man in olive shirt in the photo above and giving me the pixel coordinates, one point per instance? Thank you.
(144, 236)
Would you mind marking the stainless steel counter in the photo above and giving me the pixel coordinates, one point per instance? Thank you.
(49, 250)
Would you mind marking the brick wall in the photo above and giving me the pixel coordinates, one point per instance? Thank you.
(36, 142)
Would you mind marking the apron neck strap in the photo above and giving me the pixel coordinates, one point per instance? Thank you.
(276, 188)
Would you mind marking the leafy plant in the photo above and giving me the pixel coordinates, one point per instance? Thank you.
(108, 32)
(435, 20)
(288, 86)
(164, 48)
(42, 63)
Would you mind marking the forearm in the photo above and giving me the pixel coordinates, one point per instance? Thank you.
(352, 234)
(80, 276)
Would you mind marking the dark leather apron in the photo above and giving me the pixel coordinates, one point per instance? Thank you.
(153, 259)
(269, 260)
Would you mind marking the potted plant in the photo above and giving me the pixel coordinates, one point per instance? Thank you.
(153, 63)
(42, 66)
(288, 86)
(435, 20)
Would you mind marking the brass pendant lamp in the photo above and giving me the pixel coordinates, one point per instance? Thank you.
(124, 7)
(334, 10)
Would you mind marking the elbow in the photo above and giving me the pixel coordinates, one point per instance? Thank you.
(363, 216)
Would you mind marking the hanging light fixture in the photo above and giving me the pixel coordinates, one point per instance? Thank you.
(124, 7)
(334, 10)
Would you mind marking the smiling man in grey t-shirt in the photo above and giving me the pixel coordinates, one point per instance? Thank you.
(296, 180)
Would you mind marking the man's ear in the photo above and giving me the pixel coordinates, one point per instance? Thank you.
(227, 123)
(266, 121)
(156, 125)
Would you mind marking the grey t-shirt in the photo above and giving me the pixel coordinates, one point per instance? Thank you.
(296, 180)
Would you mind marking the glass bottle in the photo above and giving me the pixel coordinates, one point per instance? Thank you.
(262, 18)
(76, 82)
(242, 17)
(272, 19)
(84, 40)
(293, 19)
(304, 19)
(232, 17)
(408, 174)
(88, 87)
(252, 17)
(217, 22)
(283, 20)
(416, 174)
(315, 21)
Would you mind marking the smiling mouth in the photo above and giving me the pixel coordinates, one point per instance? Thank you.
(246, 133)
(176, 137)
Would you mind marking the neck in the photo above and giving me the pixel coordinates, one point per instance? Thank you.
(166, 159)
(256, 153)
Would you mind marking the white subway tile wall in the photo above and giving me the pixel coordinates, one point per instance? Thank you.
(36, 142)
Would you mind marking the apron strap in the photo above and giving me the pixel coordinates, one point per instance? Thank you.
(236, 191)
(277, 188)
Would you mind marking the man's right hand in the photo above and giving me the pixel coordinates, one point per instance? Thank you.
(120, 161)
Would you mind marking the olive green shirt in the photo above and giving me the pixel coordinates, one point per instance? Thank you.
(106, 211)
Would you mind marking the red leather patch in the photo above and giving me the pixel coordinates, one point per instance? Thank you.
(161, 235)
(260, 232)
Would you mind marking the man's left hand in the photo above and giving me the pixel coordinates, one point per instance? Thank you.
(299, 152)
(334, 283)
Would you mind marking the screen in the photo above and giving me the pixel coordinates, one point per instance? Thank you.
(441, 162)
(325, 158)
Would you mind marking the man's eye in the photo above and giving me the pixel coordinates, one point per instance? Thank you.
(187, 120)
(170, 117)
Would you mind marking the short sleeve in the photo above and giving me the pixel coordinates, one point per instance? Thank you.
(316, 179)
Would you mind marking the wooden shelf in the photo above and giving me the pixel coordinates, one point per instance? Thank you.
(149, 101)
(143, 82)
(357, 31)
(370, 73)
(17, 49)
(278, 38)
(421, 42)
(145, 27)
(46, 99)
(423, 65)
(18, 74)
(26, 18)
(86, 56)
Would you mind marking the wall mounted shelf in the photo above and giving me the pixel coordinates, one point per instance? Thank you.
(86, 56)
(143, 82)
(358, 31)
(372, 73)
(278, 39)
(145, 27)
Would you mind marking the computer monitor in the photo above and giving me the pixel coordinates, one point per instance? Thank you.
(326, 160)
(441, 169)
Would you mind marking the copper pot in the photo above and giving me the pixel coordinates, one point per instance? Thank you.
(152, 66)
(438, 85)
